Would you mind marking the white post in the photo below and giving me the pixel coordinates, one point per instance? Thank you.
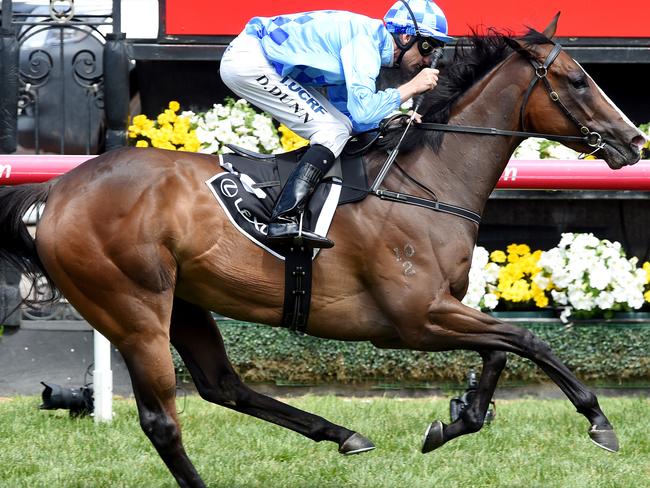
(103, 379)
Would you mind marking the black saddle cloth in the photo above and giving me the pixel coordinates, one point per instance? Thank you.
(248, 190)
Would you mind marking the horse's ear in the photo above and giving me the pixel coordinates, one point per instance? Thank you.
(552, 27)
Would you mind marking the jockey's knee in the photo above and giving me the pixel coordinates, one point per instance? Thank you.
(333, 139)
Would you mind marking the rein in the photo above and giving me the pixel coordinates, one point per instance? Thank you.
(589, 137)
(491, 131)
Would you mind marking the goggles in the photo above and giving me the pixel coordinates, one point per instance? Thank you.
(426, 45)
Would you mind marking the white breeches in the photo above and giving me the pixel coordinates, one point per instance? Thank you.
(306, 111)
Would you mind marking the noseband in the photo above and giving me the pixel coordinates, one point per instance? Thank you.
(592, 138)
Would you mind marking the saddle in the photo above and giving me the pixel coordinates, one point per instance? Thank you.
(247, 192)
(253, 181)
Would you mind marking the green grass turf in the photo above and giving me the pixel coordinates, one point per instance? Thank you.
(532, 443)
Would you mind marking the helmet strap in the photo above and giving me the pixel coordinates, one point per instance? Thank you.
(403, 47)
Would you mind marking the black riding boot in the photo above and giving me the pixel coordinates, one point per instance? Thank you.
(285, 219)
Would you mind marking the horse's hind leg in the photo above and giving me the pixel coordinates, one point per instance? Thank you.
(196, 337)
(452, 325)
(154, 385)
(136, 321)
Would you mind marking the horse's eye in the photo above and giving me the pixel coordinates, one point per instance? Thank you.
(579, 82)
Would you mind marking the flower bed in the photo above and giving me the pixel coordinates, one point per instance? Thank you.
(582, 276)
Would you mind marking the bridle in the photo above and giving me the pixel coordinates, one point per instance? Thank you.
(589, 137)
(592, 138)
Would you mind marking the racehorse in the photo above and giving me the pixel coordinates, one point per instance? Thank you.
(135, 242)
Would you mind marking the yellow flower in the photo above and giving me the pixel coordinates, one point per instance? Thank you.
(290, 140)
(140, 120)
(646, 295)
(167, 131)
(498, 257)
(192, 143)
(182, 123)
(167, 145)
(171, 115)
(518, 249)
(517, 292)
(515, 278)
(541, 300)
(163, 119)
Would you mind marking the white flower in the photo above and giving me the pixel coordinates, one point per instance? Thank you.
(592, 274)
(490, 300)
(478, 294)
(528, 149)
(565, 314)
(604, 301)
(599, 277)
(560, 297)
(558, 151)
(237, 123)
(491, 272)
(541, 281)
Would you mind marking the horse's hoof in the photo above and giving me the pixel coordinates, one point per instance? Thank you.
(434, 437)
(356, 444)
(605, 438)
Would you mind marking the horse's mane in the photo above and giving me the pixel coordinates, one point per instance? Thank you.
(473, 58)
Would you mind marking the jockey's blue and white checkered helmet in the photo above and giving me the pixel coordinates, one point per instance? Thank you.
(421, 19)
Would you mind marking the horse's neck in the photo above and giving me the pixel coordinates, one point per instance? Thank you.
(467, 167)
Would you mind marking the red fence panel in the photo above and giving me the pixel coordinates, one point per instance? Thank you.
(18, 169)
(593, 174)
(597, 18)
(541, 174)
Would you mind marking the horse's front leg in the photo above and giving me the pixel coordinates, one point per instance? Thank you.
(452, 325)
(471, 418)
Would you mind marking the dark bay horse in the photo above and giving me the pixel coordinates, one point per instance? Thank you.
(136, 242)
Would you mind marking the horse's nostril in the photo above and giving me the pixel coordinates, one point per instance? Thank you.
(638, 142)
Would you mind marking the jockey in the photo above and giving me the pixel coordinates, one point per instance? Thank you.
(316, 73)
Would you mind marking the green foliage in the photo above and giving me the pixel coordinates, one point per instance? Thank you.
(596, 353)
(532, 443)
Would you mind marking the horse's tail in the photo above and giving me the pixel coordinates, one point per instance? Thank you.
(17, 246)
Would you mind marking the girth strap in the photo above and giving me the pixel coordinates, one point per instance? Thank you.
(297, 287)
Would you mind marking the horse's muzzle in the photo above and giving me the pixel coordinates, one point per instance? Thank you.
(618, 152)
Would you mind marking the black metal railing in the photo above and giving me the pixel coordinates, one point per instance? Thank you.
(62, 78)
(64, 88)
(60, 73)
